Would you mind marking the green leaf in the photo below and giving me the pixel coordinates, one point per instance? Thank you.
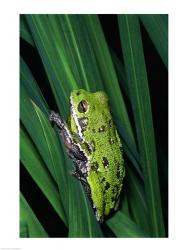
(120, 71)
(47, 37)
(135, 193)
(31, 87)
(123, 226)
(24, 31)
(46, 141)
(24, 230)
(157, 28)
(29, 224)
(140, 100)
(38, 171)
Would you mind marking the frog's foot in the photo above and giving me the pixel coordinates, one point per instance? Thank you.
(63, 129)
(76, 154)
(55, 117)
(79, 176)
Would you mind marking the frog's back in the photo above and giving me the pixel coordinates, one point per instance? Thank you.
(106, 164)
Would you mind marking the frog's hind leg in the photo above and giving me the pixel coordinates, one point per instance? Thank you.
(63, 128)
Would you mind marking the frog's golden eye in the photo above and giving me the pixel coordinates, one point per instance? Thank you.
(82, 106)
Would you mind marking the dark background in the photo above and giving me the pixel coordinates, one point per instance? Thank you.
(158, 86)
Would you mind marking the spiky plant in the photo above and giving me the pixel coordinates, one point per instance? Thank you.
(75, 54)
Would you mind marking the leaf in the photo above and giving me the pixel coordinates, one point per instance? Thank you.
(38, 171)
(123, 226)
(47, 37)
(31, 87)
(29, 224)
(157, 28)
(24, 30)
(140, 100)
(134, 190)
(46, 141)
(120, 71)
(24, 231)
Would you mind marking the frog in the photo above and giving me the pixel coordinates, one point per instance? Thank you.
(92, 141)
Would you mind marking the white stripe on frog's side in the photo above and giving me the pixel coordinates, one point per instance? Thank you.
(73, 112)
(76, 120)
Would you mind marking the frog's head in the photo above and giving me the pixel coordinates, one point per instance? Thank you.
(84, 102)
(86, 108)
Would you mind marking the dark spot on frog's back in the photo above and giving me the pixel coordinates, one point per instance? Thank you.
(78, 92)
(118, 174)
(103, 179)
(107, 186)
(88, 147)
(115, 189)
(105, 162)
(94, 166)
(102, 128)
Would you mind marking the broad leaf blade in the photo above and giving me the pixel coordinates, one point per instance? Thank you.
(139, 94)
(123, 226)
(136, 199)
(157, 28)
(46, 141)
(38, 171)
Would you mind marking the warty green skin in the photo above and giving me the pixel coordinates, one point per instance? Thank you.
(96, 135)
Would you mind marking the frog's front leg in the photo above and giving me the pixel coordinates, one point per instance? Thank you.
(73, 148)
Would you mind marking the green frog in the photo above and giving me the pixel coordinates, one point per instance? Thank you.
(93, 143)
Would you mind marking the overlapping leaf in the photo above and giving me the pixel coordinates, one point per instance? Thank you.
(139, 95)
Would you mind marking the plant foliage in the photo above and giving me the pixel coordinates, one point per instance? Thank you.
(75, 54)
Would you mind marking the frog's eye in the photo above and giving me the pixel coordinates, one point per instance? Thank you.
(82, 106)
